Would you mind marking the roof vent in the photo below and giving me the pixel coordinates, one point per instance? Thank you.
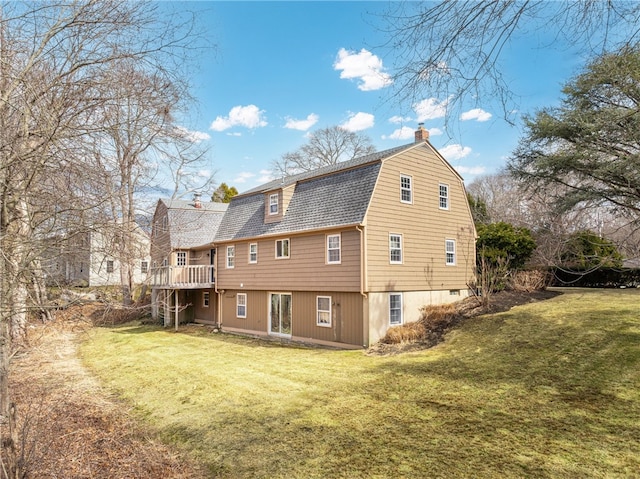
(196, 200)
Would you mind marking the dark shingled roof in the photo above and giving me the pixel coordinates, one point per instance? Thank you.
(191, 227)
(332, 196)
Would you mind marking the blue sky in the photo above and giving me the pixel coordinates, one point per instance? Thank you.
(283, 69)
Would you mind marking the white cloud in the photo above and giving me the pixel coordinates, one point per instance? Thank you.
(243, 177)
(399, 119)
(192, 136)
(358, 121)
(249, 116)
(454, 152)
(204, 173)
(471, 170)
(265, 177)
(431, 109)
(476, 114)
(404, 133)
(302, 125)
(363, 66)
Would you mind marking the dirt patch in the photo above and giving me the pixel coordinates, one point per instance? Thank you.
(467, 308)
(72, 428)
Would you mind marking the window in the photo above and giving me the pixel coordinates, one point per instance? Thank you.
(253, 253)
(231, 256)
(165, 223)
(333, 249)
(109, 266)
(323, 308)
(395, 308)
(395, 249)
(450, 251)
(205, 299)
(444, 196)
(144, 267)
(181, 258)
(282, 248)
(273, 204)
(406, 195)
(241, 305)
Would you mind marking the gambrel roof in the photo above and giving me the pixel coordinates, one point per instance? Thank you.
(191, 227)
(332, 196)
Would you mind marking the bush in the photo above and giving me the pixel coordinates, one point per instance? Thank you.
(405, 333)
(434, 321)
(529, 281)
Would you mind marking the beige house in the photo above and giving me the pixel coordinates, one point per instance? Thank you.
(183, 260)
(339, 255)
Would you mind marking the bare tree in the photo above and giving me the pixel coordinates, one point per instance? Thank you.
(52, 62)
(327, 146)
(453, 49)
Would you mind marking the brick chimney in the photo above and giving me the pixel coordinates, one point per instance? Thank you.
(421, 133)
(196, 200)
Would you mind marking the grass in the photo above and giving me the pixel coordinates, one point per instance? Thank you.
(550, 389)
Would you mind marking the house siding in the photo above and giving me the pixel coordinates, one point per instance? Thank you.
(424, 227)
(346, 322)
(304, 270)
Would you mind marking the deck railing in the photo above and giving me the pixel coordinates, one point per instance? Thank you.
(198, 276)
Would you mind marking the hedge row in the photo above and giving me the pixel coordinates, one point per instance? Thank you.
(599, 278)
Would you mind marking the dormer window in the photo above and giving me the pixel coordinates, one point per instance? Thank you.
(273, 204)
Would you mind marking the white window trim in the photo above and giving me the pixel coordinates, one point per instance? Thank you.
(391, 261)
(318, 311)
(238, 296)
(401, 315)
(339, 248)
(110, 266)
(272, 203)
(410, 189)
(440, 197)
(288, 248)
(205, 299)
(232, 257)
(144, 267)
(447, 242)
(256, 260)
(181, 254)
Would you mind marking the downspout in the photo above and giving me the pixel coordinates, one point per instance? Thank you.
(218, 293)
(364, 286)
(363, 261)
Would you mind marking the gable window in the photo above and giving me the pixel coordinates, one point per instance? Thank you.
(109, 266)
(144, 267)
(273, 204)
(205, 299)
(450, 251)
(333, 249)
(253, 253)
(181, 258)
(231, 256)
(165, 223)
(282, 248)
(241, 305)
(395, 249)
(395, 308)
(323, 311)
(406, 192)
(444, 196)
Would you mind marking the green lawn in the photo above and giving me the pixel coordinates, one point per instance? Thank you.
(550, 389)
